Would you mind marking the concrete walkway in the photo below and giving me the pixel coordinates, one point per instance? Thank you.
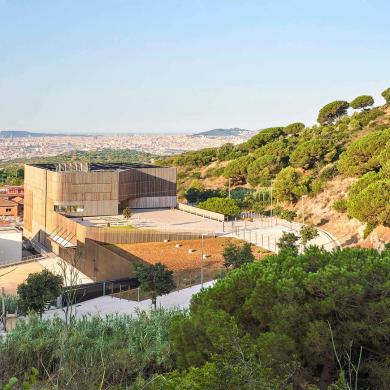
(109, 305)
(266, 234)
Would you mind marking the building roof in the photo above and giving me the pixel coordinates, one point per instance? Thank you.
(93, 167)
(7, 203)
(18, 200)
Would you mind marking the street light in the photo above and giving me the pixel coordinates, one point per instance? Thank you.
(201, 262)
(272, 181)
(303, 209)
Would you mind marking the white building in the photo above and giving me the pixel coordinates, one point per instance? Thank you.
(10, 245)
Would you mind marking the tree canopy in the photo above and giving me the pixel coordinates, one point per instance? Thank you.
(363, 155)
(224, 206)
(156, 279)
(362, 102)
(332, 112)
(386, 95)
(39, 290)
(235, 256)
(281, 313)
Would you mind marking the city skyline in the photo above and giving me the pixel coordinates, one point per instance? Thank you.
(184, 67)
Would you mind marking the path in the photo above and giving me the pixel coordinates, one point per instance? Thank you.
(266, 233)
(109, 305)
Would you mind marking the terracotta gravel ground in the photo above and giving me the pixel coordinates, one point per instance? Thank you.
(179, 259)
(12, 276)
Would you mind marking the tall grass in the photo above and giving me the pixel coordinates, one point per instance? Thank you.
(91, 353)
(10, 303)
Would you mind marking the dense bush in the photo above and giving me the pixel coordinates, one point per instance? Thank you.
(224, 206)
(235, 256)
(90, 353)
(371, 204)
(310, 153)
(237, 169)
(289, 185)
(195, 195)
(294, 128)
(281, 314)
(362, 155)
(340, 205)
(264, 137)
(288, 215)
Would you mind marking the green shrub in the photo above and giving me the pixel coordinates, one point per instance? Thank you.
(224, 206)
(316, 187)
(340, 205)
(288, 215)
(310, 153)
(263, 137)
(289, 185)
(328, 172)
(371, 204)
(365, 117)
(235, 256)
(237, 169)
(294, 128)
(362, 155)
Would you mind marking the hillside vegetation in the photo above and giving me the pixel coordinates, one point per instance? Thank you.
(12, 172)
(350, 140)
(311, 321)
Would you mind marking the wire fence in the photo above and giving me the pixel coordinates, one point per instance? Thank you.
(183, 279)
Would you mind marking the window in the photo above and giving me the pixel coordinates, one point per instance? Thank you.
(68, 208)
(8, 210)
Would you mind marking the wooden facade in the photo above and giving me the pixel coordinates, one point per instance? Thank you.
(51, 196)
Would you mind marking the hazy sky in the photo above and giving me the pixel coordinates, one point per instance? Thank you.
(117, 66)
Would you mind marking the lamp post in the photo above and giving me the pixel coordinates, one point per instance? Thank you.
(303, 209)
(272, 183)
(201, 261)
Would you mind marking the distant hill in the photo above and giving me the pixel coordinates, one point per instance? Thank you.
(26, 134)
(23, 134)
(234, 132)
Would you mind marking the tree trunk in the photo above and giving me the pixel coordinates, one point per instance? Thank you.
(325, 377)
(154, 301)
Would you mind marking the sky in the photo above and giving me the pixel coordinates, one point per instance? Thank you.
(182, 66)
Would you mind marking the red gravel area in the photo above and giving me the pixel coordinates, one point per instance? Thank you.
(179, 258)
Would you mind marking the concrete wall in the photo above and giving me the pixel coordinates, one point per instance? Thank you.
(100, 263)
(152, 202)
(10, 245)
(202, 213)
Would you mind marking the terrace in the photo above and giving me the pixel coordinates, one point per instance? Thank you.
(172, 220)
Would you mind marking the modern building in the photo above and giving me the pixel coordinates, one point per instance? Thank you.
(54, 191)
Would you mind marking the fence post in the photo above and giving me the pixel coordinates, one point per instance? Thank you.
(137, 294)
(104, 288)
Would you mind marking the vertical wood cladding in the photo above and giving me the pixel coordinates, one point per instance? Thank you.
(94, 193)
(147, 182)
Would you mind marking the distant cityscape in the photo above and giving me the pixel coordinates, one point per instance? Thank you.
(16, 145)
